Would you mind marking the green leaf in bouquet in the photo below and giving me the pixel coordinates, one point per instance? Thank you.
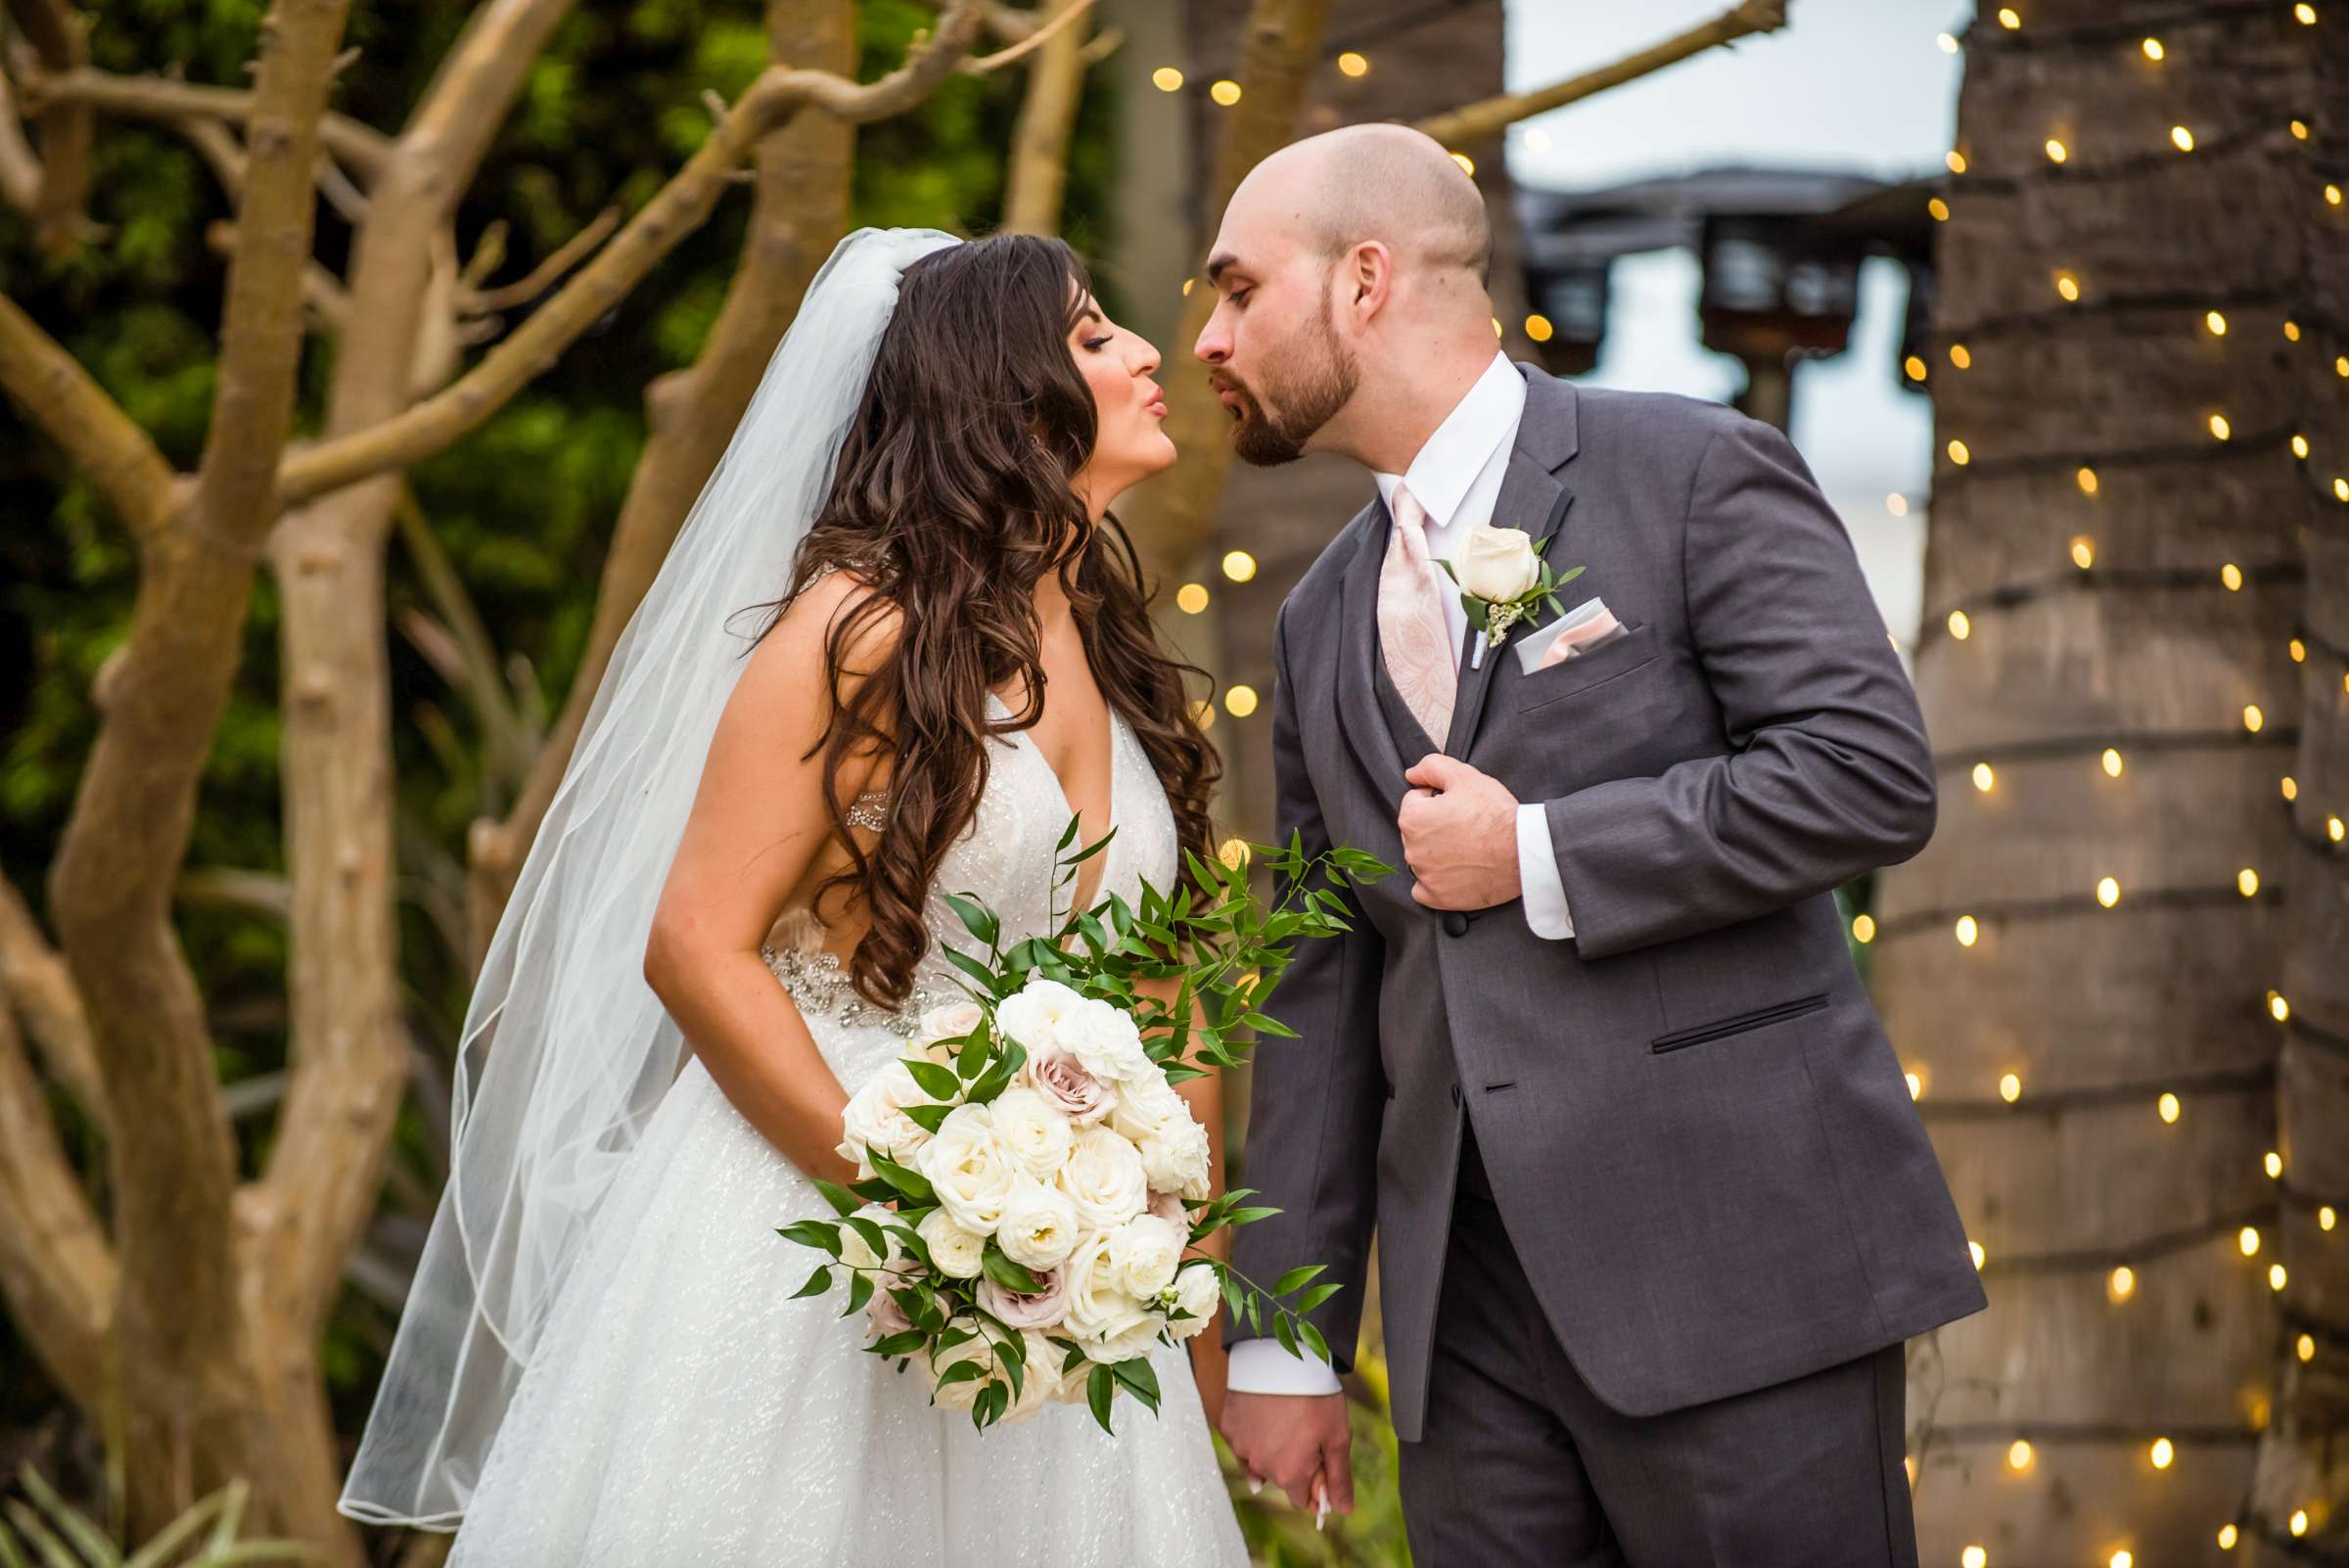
(977, 918)
(824, 1234)
(1138, 1377)
(1232, 1295)
(1294, 1279)
(873, 1189)
(1068, 835)
(1006, 1273)
(860, 1291)
(1312, 1339)
(817, 1283)
(1177, 1073)
(996, 1079)
(903, 1342)
(1100, 1387)
(959, 1334)
(869, 1231)
(977, 1050)
(1316, 1296)
(938, 1083)
(981, 976)
(1271, 1027)
(1014, 1367)
(1089, 851)
(929, 1117)
(919, 1304)
(961, 1372)
(908, 1183)
(1074, 1357)
(843, 1202)
(1249, 1217)
(990, 1406)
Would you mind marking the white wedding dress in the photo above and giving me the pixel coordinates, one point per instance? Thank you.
(682, 1411)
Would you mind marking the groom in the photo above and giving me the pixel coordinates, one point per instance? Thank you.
(1655, 1212)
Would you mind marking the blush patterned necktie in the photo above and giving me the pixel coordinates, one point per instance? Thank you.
(1413, 636)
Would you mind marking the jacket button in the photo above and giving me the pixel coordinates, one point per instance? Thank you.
(1455, 924)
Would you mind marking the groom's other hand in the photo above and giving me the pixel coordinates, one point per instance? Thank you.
(1289, 1439)
(1459, 836)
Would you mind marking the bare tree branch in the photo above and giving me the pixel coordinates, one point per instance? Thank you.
(35, 982)
(63, 131)
(544, 276)
(362, 147)
(60, 398)
(1478, 121)
(798, 211)
(57, 1274)
(20, 165)
(1007, 22)
(1038, 175)
(677, 211)
(1037, 39)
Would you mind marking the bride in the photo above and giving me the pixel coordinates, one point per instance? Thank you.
(732, 917)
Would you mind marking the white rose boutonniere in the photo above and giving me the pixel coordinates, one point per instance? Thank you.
(1503, 580)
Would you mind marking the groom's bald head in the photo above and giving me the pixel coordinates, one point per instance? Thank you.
(1383, 183)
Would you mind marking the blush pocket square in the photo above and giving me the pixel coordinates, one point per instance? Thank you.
(1580, 630)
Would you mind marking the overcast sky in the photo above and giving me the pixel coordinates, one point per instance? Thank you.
(1857, 87)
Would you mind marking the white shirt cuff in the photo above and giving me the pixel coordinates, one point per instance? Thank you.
(1262, 1366)
(1545, 913)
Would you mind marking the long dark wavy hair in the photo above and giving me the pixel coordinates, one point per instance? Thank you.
(951, 502)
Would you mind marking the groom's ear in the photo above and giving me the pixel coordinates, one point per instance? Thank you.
(1367, 275)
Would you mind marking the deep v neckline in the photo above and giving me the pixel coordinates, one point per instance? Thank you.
(1099, 865)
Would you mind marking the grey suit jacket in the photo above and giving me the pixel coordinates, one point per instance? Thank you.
(1699, 1138)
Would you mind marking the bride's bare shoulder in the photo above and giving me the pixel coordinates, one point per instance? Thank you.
(837, 606)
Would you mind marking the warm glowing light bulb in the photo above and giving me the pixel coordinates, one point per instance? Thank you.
(2340, 365)
(2153, 47)
(2067, 286)
(2306, 13)
(1914, 368)
(2299, 445)
(1968, 930)
(1960, 626)
(1354, 65)
(2163, 1453)
(1167, 79)
(1973, 1557)
(1916, 1084)
(2248, 1240)
(1961, 356)
(1233, 853)
(2112, 763)
(1538, 328)
(2121, 1559)
(2108, 892)
(2291, 788)
(2305, 1347)
(2010, 1088)
(1864, 929)
(2086, 479)
(2340, 489)
(2170, 1107)
(2298, 1523)
(2228, 1536)
(2246, 882)
(2336, 829)
(2123, 1280)
(2232, 576)
(2273, 1164)
(1191, 598)
(2326, 1218)
(2182, 138)
(1225, 92)
(2277, 1008)
(1947, 43)
(2291, 329)
(2253, 718)
(1467, 163)
(2018, 1455)
(2010, 18)
(1954, 159)
(2300, 130)
(1939, 209)
(1203, 713)
(2057, 152)
(1960, 453)
(1984, 777)
(1240, 701)
(1239, 565)
(1897, 504)
(2333, 196)
(1980, 1257)
(2217, 324)
(2277, 1277)
(2084, 552)
(2219, 427)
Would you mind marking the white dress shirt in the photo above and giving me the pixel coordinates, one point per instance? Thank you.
(1456, 478)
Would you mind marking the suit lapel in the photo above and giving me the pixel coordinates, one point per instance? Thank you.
(1364, 718)
(1534, 497)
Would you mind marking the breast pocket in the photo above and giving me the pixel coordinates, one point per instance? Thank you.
(1635, 649)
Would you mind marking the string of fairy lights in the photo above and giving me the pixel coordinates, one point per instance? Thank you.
(2082, 566)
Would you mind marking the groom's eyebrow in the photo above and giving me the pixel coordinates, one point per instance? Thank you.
(1220, 262)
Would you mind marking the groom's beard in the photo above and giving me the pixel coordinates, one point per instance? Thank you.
(1319, 379)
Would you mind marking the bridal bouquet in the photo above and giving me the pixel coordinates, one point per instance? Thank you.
(1035, 1191)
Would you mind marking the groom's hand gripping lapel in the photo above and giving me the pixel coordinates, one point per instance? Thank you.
(1459, 836)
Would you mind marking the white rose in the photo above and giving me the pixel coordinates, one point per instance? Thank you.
(1197, 1293)
(1097, 1307)
(949, 1021)
(1033, 1013)
(963, 1395)
(1497, 565)
(1105, 1042)
(875, 1120)
(858, 1254)
(1133, 1338)
(1040, 1377)
(957, 1252)
(966, 1167)
(1033, 1135)
(1175, 1156)
(1039, 1228)
(1143, 1255)
(1145, 1104)
(1103, 1178)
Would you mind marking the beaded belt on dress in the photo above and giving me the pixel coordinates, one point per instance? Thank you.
(819, 986)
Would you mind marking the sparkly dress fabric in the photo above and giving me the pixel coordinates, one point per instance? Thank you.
(682, 1411)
